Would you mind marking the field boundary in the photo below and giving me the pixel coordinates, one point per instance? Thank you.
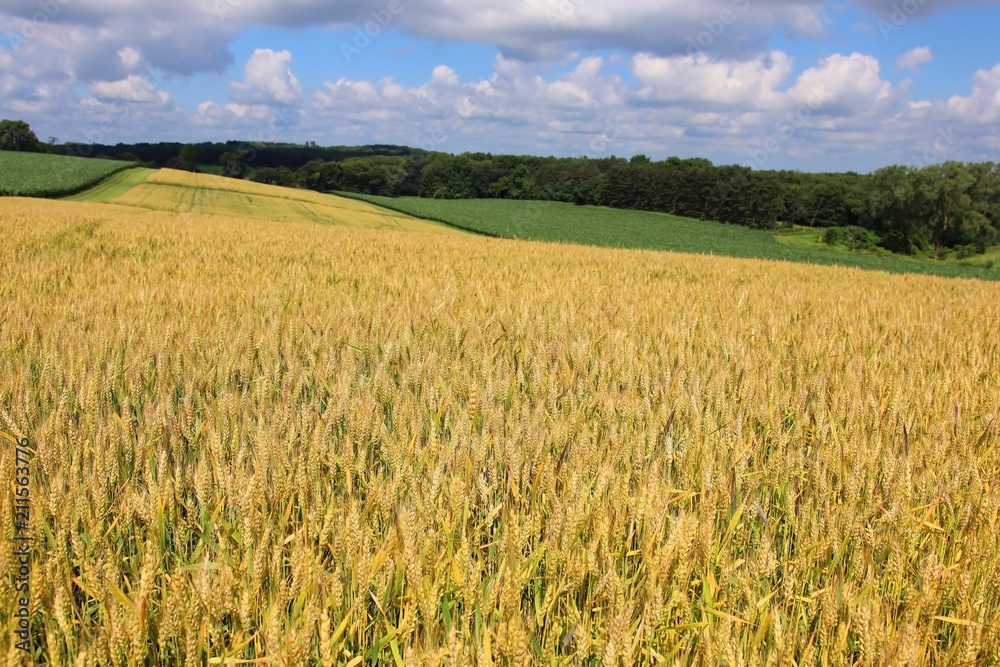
(728, 246)
(62, 166)
(364, 198)
(113, 186)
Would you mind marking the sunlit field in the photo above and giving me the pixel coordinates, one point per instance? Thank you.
(288, 443)
(184, 192)
(623, 228)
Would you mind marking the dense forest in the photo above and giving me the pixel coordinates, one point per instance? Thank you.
(912, 210)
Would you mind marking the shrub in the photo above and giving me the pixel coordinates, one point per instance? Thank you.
(854, 237)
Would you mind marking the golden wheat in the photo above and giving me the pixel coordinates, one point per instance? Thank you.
(206, 194)
(332, 445)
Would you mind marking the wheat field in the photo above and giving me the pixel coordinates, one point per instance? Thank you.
(285, 443)
(205, 194)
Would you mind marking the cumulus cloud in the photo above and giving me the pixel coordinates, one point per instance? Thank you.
(91, 52)
(515, 96)
(444, 75)
(844, 86)
(268, 79)
(982, 106)
(536, 29)
(840, 109)
(840, 85)
(681, 105)
(132, 88)
(701, 83)
(705, 82)
(130, 58)
(914, 58)
(189, 36)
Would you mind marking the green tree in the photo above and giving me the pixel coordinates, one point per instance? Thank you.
(234, 163)
(192, 153)
(892, 207)
(373, 176)
(188, 159)
(330, 177)
(282, 176)
(944, 204)
(310, 175)
(181, 164)
(515, 185)
(16, 135)
(985, 193)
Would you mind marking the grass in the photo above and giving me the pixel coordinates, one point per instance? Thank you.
(811, 237)
(615, 228)
(289, 443)
(44, 175)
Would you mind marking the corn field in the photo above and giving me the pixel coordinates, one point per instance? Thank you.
(291, 444)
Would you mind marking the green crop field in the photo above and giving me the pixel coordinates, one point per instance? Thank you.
(615, 228)
(44, 175)
(114, 186)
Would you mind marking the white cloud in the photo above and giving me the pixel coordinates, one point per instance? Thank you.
(132, 88)
(839, 86)
(682, 105)
(444, 75)
(268, 79)
(9, 85)
(844, 86)
(131, 58)
(87, 37)
(698, 82)
(189, 36)
(514, 96)
(980, 107)
(914, 58)
(705, 83)
(105, 50)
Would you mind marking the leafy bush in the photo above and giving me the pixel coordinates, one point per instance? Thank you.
(853, 237)
(835, 236)
(967, 251)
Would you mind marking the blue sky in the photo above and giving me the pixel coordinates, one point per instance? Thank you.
(791, 84)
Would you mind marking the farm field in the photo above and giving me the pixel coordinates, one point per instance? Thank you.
(43, 175)
(812, 238)
(289, 443)
(617, 228)
(115, 186)
(205, 194)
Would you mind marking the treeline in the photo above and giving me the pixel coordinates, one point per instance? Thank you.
(903, 209)
(17, 136)
(912, 210)
(259, 155)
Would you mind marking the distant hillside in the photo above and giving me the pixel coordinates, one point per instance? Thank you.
(46, 175)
